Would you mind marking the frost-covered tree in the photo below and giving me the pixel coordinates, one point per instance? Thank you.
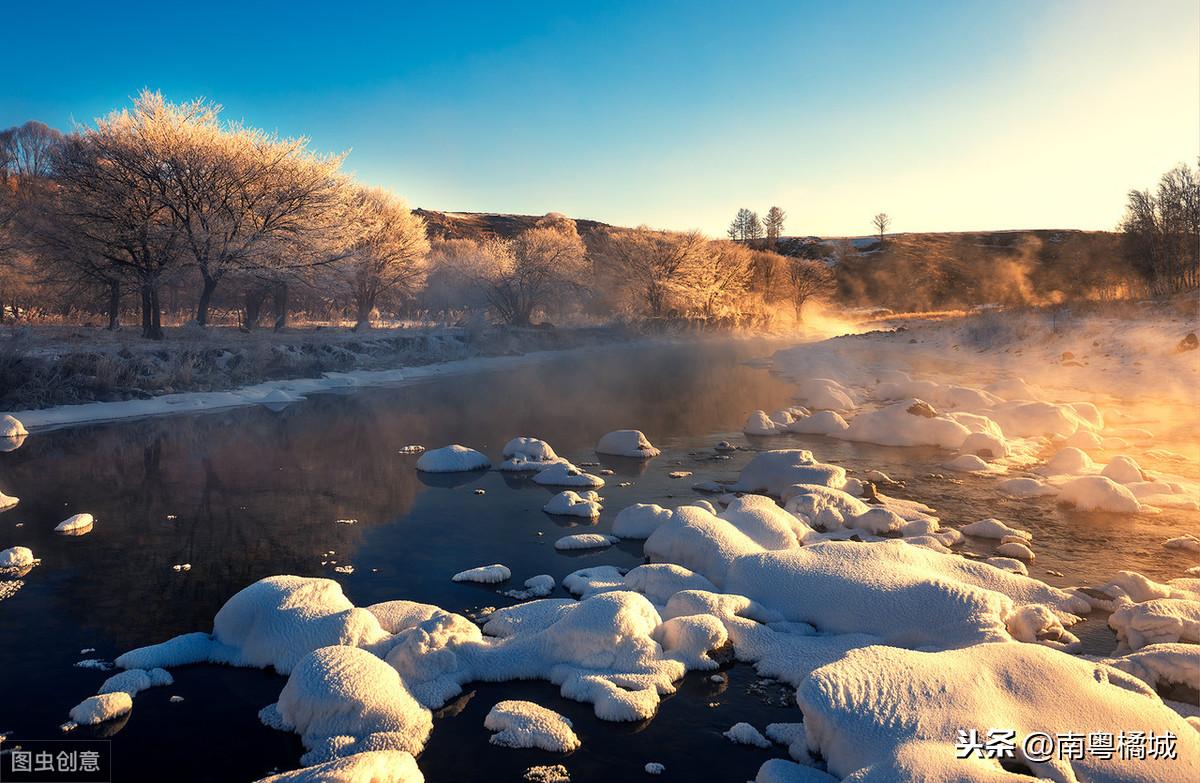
(388, 254)
(537, 268)
(723, 273)
(807, 280)
(660, 266)
(1161, 232)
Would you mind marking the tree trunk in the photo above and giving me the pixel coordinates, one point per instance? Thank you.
(114, 305)
(210, 285)
(365, 306)
(254, 302)
(151, 312)
(280, 298)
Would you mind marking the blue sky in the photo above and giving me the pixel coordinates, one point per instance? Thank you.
(949, 116)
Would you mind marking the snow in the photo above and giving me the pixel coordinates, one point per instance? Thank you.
(819, 423)
(1016, 550)
(76, 524)
(1123, 470)
(523, 724)
(1186, 542)
(970, 463)
(11, 427)
(654, 768)
(824, 394)
(568, 503)
(396, 616)
(994, 528)
(7, 501)
(639, 520)
(1069, 462)
(133, 681)
(585, 541)
(374, 766)
(1025, 487)
(783, 771)
(342, 700)
(1100, 493)
(452, 459)
(773, 471)
(883, 713)
(1156, 621)
(626, 443)
(906, 423)
(660, 581)
(538, 586)
(759, 423)
(527, 454)
(700, 541)
(488, 574)
(745, 734)
(17, 557)
(101, 708)
(987, 445)
(689, 639)
(564, 474)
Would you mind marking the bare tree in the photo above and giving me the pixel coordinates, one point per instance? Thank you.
(722, 273)
(881, 222)
(1161, 232)
(773, 223)
(389, 253)
(807, 280)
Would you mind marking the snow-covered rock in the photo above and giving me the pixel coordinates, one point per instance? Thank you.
(1099, 493)
(1186, 542)
(745, 734)
(76, 524)
(373, 766)
(17, 557)
(1156, 621)
(11, 427)
(585, 541)
(571, 504)
(1015, 550)
(538, 586)
(102, 707)
(134, 681)
(825, 422)
(523, 724)
(911, 422)
(639, 520)
(759, 423)
(626, 443)
(1123, 470)
(1024, 487)
(527, 454)
(7, 501)
(452, 459)
(994, 528)
(488, 574)
(773, 471)
(564, 474)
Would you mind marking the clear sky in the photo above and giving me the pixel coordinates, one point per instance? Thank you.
(950, 115)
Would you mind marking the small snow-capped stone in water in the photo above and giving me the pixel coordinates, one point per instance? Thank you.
(94, 663)
(76, 524)
(17, 557)
(452, 459)
(175, 699)
(411, 449)
(345, 521)
(678, 474)
(585, 541)
(605, 472)
(87, 650)
(523, 724)
(1054, 573)
(548, 773)
(724, 446)
(717, 678)
(345, 569)
(745, 734)
(182, 567)
(627, 443)
(488, 574)
(171, 517)
(8, 501)
(101, 708)
(19, 524)
(11, 427)
(625, 484)
(654, 768)
(1186, 542)
(68, 726)
(481, 492)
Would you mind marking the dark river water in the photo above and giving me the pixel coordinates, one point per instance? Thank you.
(247, 493)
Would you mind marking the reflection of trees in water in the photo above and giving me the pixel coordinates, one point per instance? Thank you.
(255, 493)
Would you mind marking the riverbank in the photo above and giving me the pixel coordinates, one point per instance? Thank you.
(47, 366)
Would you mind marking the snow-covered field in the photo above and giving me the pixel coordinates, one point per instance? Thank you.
(908, 659)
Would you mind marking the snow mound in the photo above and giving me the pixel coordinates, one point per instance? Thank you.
(396, 616)
(527, 454)
(526, 619)
(523, 724)
(911, 422)
(585, 541)
(17, 557)
(784, 771)
(342, 700)
(568, 503)
(985, 445)
(7, 501)
(825, 394)
(699, 541)
(488, 574)
(1123, 470)
(1156, 621)
(1026, 419)
(882, 713)
(660, 581)
(819, 423)
(373, 766)
(759, 423)
(626, 443)
(689, 639)
(11, 427)
(971, 463)
(1186, 542)
(538, 586)
(745, 734)
(452, 459)
(774, 471)
(76, 524)
(1100, 493)
(639, 520)
(133, 681)
(654, 768)
(994, 528)
(1069, 462)
(101, 708)
(272, 623)
(564, 474)
(1025, 487)
(1016, 550)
